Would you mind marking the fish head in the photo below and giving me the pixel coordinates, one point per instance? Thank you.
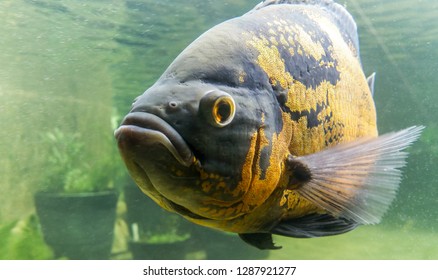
(186, 145)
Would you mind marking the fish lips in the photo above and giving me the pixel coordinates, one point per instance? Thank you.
(140, 130)
(151, 148)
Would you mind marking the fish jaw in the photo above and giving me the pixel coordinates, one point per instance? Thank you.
(157, 158)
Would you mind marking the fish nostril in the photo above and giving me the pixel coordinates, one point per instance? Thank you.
(173, 104)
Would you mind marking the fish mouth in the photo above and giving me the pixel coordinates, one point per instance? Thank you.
(143, 140)
(148, 129)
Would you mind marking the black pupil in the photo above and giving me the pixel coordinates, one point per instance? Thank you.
(223, 111)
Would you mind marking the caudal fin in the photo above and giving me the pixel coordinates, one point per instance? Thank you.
(358, 180)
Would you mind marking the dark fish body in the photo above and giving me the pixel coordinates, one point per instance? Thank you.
(266, 124)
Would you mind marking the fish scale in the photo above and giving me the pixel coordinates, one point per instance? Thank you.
(266, 124)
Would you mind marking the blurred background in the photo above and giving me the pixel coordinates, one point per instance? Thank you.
(69, 71)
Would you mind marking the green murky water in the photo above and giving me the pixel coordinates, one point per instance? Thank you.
(70, 69)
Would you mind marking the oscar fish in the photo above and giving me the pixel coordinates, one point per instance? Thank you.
(266, 124)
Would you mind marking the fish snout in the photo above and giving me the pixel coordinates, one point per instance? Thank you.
(140, 130)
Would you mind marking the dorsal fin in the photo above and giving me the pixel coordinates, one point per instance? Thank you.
(341, 16)
(370, 81)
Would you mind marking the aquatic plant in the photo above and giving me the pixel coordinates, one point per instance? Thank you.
(68, 170)
(22, 240)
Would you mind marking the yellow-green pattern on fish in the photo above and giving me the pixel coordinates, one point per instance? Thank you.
(265, 125)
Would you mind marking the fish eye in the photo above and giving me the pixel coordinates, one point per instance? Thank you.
(223, 111)
(218, 108)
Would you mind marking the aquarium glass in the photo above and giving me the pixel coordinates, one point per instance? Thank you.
(69, 72)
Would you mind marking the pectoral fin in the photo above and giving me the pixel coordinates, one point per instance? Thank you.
(356, 181)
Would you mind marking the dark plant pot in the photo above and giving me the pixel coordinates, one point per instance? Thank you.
(78, 226)
(158, 251)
